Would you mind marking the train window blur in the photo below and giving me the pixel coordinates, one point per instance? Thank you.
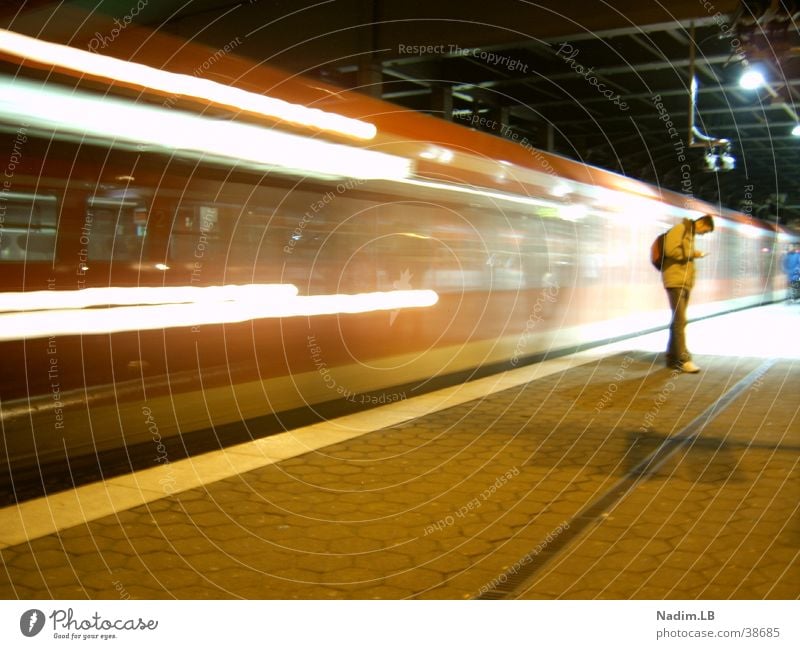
(195, 232)
(337, 241)
(202, 224)
(438, 248)
(533, 247)
(251, 224)
(28, 226)
(210, 223)
(562, 242)
(114, 225)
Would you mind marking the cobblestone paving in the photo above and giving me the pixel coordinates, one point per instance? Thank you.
(721, 520)
(440, 506)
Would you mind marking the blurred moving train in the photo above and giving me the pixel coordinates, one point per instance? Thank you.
(178, 254)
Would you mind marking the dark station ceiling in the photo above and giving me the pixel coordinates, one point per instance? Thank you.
(606, 83)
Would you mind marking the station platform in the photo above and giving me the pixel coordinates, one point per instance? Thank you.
(598, 475)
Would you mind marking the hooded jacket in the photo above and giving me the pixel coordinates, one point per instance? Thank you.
(677, 270)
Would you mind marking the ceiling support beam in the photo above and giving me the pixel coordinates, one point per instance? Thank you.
(442, 101)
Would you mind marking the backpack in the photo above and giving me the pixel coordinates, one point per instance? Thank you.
(657, 251)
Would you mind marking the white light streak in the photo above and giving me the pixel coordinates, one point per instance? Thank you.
(175, 132)
(107, 67)
(136, 295)
(31, 324)
(462, 189)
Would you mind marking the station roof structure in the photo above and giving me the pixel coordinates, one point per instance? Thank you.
(606, 83)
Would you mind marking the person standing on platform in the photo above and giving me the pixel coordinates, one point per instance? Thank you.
(677, 275)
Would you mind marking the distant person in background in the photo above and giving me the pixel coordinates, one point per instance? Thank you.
(677, 275)
(791, 266)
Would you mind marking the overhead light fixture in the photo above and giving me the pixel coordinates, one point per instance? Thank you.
(752, 79)
(172, 83)
(696, 137)
(726, 162)
(714, 162)
(710, 161)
